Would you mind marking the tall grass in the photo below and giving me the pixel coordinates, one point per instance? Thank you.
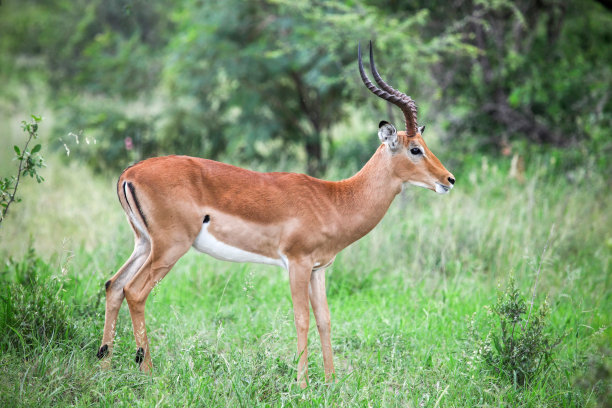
(401, 301)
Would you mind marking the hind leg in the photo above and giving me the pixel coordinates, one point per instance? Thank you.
(157, 265)
(115, 295)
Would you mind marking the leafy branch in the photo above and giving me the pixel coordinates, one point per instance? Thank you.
(29, 162)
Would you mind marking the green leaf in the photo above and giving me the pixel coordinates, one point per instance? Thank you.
(36, 148)
(16, 148)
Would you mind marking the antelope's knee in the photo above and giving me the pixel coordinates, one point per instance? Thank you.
(132, 294)
(324, 326)
(302, 325)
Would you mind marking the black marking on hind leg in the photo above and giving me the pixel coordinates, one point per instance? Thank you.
(206, 219)
(139, 355)
(107, 284)
(103, 352)
(133, 191)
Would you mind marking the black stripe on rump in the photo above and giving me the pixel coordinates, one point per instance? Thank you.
(133, 191)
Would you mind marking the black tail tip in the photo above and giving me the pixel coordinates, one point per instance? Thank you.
(103, 352)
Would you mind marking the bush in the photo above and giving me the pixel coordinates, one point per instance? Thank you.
(518, 346)
(32, 313)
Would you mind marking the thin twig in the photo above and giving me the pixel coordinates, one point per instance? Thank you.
(25, 148)
(535, 284)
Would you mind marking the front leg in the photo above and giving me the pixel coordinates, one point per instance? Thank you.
(299, 278)
(318, 299)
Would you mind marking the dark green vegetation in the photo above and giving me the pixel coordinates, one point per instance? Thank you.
(264, 79)
(517, 103)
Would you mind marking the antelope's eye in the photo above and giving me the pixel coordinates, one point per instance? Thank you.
(416, 151)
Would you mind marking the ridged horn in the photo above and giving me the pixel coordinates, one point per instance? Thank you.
(399, 99)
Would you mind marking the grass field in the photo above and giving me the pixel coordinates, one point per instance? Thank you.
(401, 301)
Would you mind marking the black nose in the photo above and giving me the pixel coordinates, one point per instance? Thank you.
(451, 180)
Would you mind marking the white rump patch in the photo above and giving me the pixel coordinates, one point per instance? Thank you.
(208, 244)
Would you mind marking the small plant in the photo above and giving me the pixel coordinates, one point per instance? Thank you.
(518, 345)
(29, 162)
(32, 313)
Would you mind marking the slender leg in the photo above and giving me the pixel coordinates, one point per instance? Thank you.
(299, 276)
(115, 296)
(318, 300)
(157, 265)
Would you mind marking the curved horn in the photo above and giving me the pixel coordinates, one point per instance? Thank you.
(378, 92)
(403, 101)
(379, 79)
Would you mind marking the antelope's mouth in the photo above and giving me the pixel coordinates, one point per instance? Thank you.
(442, 189)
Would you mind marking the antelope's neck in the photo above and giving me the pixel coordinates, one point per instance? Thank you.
(363, 200)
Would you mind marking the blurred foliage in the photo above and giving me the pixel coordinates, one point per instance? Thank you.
(107, 138)
(541, 73)
(112, 47)
(269, 79)
(276, 70)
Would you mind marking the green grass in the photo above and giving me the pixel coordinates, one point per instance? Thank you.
(401, 301)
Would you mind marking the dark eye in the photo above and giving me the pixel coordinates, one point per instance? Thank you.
(416, 151)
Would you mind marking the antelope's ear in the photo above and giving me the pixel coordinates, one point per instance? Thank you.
(388, 135)
(421, 129)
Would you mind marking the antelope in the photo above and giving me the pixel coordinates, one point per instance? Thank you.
(294, 221)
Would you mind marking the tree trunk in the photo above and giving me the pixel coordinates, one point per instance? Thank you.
(314, 155)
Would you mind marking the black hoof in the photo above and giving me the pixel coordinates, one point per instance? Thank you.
(139, 355)
(103, 352)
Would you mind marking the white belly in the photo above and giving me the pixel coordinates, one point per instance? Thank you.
(207, 243)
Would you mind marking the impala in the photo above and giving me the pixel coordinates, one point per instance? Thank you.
(290, 220)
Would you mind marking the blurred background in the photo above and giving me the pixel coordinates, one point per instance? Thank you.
(274, 83)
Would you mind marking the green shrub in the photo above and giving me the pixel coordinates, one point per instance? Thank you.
(519, 345)
(32, 313)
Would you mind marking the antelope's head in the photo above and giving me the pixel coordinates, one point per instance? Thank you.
(412, 161)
